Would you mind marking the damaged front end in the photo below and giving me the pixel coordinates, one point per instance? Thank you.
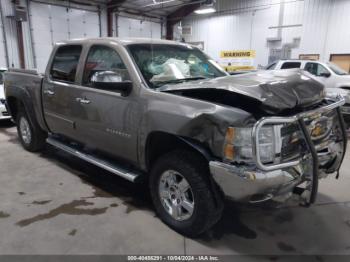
(278, 156)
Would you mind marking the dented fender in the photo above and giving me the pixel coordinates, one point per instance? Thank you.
(187, 118)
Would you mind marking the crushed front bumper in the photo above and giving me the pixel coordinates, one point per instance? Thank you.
(252, 185)
(260, 182)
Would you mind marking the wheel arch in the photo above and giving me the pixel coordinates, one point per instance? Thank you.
(20, 99)
(159, 143)
(14, 105)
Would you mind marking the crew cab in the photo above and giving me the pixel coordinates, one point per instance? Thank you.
(165, 114)
(335, 79)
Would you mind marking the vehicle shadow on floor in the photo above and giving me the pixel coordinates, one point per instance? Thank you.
(103, 183)
(259, 229)
(273, 228)
(6, 124)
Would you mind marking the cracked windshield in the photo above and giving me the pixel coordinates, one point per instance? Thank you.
(172, 64)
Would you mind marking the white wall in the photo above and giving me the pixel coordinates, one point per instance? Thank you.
(50, 21)
(246, 25)
(11, 34)
(47, 23)
(133, 27)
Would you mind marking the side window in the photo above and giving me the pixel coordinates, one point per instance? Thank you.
(103, 59)
(65, 63)
(289, 65)
(316, 69)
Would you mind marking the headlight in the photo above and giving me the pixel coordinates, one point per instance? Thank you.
(238, 144)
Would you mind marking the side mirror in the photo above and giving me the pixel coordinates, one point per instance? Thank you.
(325, 75)
(111, 81)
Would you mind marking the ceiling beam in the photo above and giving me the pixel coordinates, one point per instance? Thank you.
(112, 5)
(178, 15)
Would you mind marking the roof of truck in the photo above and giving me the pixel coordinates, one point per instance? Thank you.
(122, 41)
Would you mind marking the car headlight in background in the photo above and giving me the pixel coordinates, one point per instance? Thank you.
(238, 144)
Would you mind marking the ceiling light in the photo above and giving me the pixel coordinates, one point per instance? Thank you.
(205, 10)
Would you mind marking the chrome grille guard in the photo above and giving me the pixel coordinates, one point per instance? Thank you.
(294, 119)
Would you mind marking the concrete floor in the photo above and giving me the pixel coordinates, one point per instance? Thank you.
(52, 203)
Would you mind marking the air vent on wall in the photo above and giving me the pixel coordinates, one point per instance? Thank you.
(20, 13)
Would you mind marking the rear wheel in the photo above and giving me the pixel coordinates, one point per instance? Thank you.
(182, 195)
(31, 136)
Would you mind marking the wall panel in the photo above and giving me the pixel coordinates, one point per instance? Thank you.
(244, 24)
(11, 33)
(51, 24)
(132, 27)
(3, 58)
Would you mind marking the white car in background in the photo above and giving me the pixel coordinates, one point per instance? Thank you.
(4, 115)
(335, 79)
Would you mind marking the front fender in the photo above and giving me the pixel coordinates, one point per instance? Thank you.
(196, 122)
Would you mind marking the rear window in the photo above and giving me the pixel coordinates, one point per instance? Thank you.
(65, 63)
(288, 65)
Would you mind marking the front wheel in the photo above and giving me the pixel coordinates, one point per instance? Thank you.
(182, 195)
(31, 136)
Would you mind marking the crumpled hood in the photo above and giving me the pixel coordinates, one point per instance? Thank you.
(2, 92)
(276, 90)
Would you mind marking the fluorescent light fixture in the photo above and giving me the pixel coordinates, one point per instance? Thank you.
(205, 10)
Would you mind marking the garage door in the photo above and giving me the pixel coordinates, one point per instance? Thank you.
(51, 24)
(2, 46)
(129, 27)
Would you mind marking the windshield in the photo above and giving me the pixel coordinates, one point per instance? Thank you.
(336, 69)
(271, 66)
(162, 64)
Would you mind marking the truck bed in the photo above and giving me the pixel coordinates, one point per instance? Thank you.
(26, 83)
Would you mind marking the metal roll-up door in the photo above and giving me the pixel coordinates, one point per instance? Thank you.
(51, 24)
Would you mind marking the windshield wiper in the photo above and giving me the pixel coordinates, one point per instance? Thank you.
(180, 80)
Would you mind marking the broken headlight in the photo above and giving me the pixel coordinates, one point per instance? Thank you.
(238, 145)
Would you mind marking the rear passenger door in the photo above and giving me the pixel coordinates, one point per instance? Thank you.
(59, 91)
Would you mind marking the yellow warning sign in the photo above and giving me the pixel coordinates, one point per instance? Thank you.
(237, 68)
(234, 60)
(238, 54)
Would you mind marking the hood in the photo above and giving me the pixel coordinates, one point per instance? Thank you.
(274, 91)
(342, 80)
(2, 92)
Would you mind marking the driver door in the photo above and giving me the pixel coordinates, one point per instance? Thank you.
(108, 123)
(320, 72)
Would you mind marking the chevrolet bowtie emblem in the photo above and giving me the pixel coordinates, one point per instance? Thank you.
(317, 131)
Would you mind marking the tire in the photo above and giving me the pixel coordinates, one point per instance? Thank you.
(31, 136)
(179, 165)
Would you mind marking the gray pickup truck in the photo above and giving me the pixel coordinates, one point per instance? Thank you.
(165, 113)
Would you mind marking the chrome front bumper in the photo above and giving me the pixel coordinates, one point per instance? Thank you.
(4, 114)
(260, 182)
(249, 185)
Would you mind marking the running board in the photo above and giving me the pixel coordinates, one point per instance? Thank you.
(111, 167)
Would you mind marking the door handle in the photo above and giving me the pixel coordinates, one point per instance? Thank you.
(83, 100)
(49, 92)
